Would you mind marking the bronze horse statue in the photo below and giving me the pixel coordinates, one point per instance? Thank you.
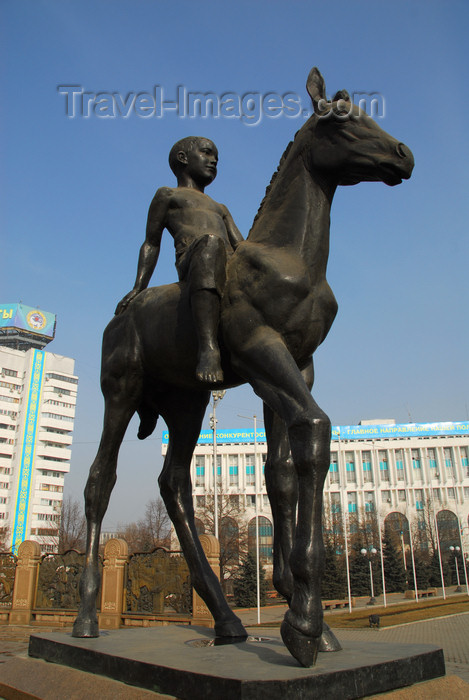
(277, 308)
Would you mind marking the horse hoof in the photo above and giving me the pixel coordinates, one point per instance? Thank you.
(85, 628)
(328, 641)
(304, 649)
(233, 628)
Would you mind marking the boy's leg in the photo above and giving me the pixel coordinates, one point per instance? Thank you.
(206, 278)
(206, 313)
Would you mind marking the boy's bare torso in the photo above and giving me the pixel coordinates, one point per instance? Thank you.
(191, 214)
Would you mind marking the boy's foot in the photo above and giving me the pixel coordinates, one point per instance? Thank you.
(209, 367)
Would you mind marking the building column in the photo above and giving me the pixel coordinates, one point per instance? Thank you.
(200, 613)
(24, 591)
(116, 554)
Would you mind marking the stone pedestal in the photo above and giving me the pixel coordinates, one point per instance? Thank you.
(200, 613)
(24, 592)
(179, 661)
(116, 554)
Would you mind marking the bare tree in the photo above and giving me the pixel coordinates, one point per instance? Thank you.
(157, 521)
(72, 528)
(151, 531)
(4, 535)
(232, 531)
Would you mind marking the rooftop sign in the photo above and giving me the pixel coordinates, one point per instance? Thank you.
(27, 318)
(346, 432)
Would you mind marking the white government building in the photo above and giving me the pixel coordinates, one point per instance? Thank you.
(375, 466)
(38, 391)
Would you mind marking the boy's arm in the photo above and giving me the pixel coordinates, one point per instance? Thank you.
(150, 249)
(234, 234)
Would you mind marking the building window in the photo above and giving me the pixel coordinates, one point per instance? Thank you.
(266, 540)
(418, 499)
(199, 470)
(9, 372)
(399, 454)
(352, 501)
(431, 454)
(200, 501)
(233, 470)
(383, 464)
(251, 500)
(448, 453)
(401, 496)
(250, 475)
(369, 501)
(436, 495)
(366, 465)
(464, 459)
(61, 378)
(451, 494)
(350, 467)
(386, 496)
(334, 469)
(335, 503)
(415, 459)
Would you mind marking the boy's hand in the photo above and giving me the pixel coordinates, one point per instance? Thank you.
(123, 304)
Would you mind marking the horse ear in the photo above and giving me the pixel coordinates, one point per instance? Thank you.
(316, 88)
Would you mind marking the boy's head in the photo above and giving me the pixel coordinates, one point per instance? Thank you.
(195, 153)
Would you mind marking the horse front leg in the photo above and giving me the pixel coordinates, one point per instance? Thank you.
(303, 623)
(268, 365)
(282, 489)
(183, 413)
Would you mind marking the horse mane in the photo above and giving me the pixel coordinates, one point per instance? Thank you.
(272, 180)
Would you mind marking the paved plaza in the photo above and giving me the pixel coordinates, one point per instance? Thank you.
(451, 633)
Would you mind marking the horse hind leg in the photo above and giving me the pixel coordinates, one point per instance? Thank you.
(183, 414)
(120, 406)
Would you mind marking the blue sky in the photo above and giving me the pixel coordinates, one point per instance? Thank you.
(75, 191)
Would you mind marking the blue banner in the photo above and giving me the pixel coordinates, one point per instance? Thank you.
(23, 495)
(344, 432)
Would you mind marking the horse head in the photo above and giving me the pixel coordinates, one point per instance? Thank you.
(347, 145)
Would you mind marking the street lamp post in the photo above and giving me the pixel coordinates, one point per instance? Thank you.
(373, 551)
(403, 549)
(455, 551)
(257, 489)
(217, 396)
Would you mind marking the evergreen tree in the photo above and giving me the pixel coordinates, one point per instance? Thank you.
(422, 574)
(245, 584)
(334, 584)
(360, 580)
(359, 571)
(394, 571)
(435, 571)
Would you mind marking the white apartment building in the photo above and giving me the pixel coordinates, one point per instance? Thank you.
(38, 392)
(376, 466)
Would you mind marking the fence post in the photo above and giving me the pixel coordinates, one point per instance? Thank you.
(24, 591)
(116, 554)
(200, 613)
